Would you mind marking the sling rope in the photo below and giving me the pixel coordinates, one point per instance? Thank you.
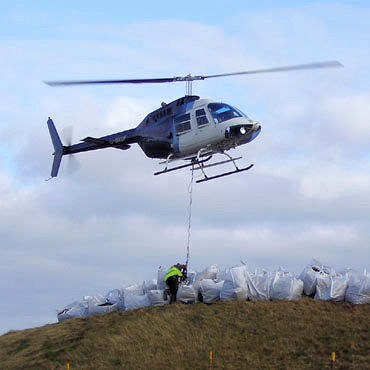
(190, 191)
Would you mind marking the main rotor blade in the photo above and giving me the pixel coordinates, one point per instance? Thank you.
(331, 64)
(91, 82)
(189, 77)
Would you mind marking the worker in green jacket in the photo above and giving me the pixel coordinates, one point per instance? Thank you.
(174, 276)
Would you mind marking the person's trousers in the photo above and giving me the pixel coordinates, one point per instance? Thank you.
(173, 284)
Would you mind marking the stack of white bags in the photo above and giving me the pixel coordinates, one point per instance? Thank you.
(326, 284)
(236, 283)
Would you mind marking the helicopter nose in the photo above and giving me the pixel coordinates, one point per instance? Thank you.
(256, 129)
(256, 126)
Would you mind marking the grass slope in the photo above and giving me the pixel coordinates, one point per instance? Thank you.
(241, 335)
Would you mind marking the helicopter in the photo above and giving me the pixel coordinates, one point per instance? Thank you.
(188, 128)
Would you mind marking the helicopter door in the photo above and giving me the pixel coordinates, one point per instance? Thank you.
(185, 133)
(207, 130)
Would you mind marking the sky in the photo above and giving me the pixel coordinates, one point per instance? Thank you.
(112, 223)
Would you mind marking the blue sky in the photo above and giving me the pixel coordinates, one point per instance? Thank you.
(35, 19)
(113, 223)
(43, 20)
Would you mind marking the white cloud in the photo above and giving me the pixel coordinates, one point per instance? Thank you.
(348, 117)
(124, 112)
(333, 182)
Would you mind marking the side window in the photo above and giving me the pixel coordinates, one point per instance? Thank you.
(182, 124)
(201, 117)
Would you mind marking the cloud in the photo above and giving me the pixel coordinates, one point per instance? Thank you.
(332, 182)
(348, 118)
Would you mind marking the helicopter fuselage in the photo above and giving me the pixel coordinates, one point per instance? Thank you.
(185, 128)
(187, 125)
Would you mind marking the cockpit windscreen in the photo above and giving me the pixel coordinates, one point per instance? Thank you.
(223, 112)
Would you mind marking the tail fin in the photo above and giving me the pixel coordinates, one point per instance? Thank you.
(58, 147)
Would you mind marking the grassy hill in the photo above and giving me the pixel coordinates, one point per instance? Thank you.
(241, 335)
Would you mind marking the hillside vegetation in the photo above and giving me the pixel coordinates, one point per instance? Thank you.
(241, 335)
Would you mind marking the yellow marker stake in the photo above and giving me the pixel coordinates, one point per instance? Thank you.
(210, 360)
(68, 366)
(332, 364)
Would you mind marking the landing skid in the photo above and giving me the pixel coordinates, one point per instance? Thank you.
(198, 164)
(230, 159)
(207, 178)
(193, 162)
(218, 163)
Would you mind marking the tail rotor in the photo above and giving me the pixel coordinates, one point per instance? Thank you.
(60, 149)
(73, 165)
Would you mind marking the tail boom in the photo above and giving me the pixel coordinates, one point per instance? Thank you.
(120, 140)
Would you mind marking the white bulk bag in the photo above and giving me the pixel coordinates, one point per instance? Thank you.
(358, 290)
(161, 284)
(286, 286)
(98, 305)
(296, 289)
(75, 309)
(331, 287)
(101, 309)
(115, 296)
(221, 275)
(235, 285)
(220, 284)
(133, 301)
(210, 290)
(191, 276)
(208, 273)
(310, 274)
(135, 289)
(156, 298)
(149, 285)
(258, 285)
(187, 293)
(94, 299)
